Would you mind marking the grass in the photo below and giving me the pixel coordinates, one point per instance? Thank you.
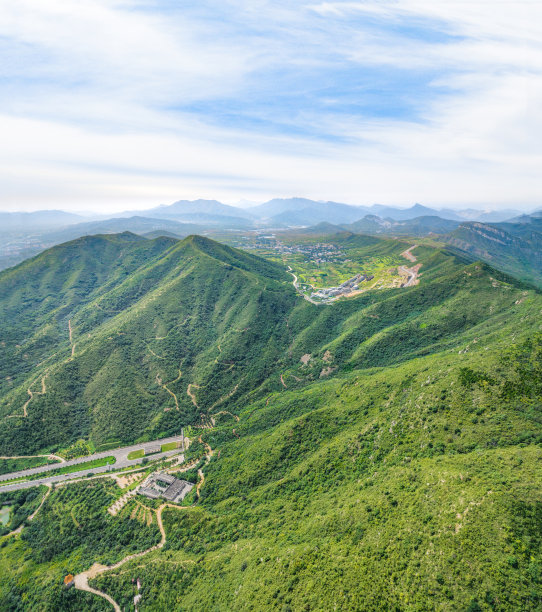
(169, 446)
(83, 466)
(137, 454)
(16, 465)
(8, 482)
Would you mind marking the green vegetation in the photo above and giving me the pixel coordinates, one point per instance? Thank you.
(15, 465)
(71, 531)
(169, 446)
(387, 453)
(17, 506)
(137, 454)
(515, 248)
(86, 465)
(80, 448)
(401, 488)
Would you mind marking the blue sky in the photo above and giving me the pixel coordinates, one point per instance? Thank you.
(125, 104)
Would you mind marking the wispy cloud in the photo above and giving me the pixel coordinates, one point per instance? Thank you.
(125, 103)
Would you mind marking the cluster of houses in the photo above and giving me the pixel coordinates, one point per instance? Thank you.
(350, 285)
(317, 253)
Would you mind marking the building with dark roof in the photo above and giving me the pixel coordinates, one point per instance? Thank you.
(160, 484)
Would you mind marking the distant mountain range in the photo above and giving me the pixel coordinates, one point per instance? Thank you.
(274, 213)
(10, 221)
(23, 235)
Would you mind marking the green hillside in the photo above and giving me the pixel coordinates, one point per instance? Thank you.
(177, 314)
(515, 248)
(388, 452)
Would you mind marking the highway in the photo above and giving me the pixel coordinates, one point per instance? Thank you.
(120, 454)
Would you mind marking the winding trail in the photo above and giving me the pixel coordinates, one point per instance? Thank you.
(411, 274)
(208, 454)
(225, 397)
(81, 580)
(154, 354)
(226, 412)
(408, 255)
(32, 394)
(33, 515)
(192, 395)
(230, 365)
(165, 387)
(70, 329)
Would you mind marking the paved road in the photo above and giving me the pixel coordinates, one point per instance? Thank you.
(120, 454)
(296, 286)
(411, 273)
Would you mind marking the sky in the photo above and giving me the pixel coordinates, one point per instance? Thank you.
(109, 105)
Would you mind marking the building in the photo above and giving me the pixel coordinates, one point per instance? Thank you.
(69, 581)
(160, 484)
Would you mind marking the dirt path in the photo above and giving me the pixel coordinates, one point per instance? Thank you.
(226, 412)
(408, 255)
(154, 354)
(208, 454)
(72, 343)
(282, 381)
(224, 397)
(81, 580)
(31, 394)
(81, 583)
(33, 515)
(174, 327)
(191, 395)
(165, 387)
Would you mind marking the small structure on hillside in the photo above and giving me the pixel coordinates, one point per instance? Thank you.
(69, 581)
(160, 484)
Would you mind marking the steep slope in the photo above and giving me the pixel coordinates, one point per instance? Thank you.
(192, 315)
(514, 248)
(117, 337)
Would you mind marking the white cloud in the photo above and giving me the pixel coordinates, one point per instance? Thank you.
(102, 103)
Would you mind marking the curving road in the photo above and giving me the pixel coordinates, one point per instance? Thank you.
(120, 454)
(295, 283)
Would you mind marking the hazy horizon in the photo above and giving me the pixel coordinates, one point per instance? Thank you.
(109, 211)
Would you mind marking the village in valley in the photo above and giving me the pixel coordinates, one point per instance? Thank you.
(328, 268)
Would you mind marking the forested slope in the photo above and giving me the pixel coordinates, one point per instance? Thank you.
(387, 453)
